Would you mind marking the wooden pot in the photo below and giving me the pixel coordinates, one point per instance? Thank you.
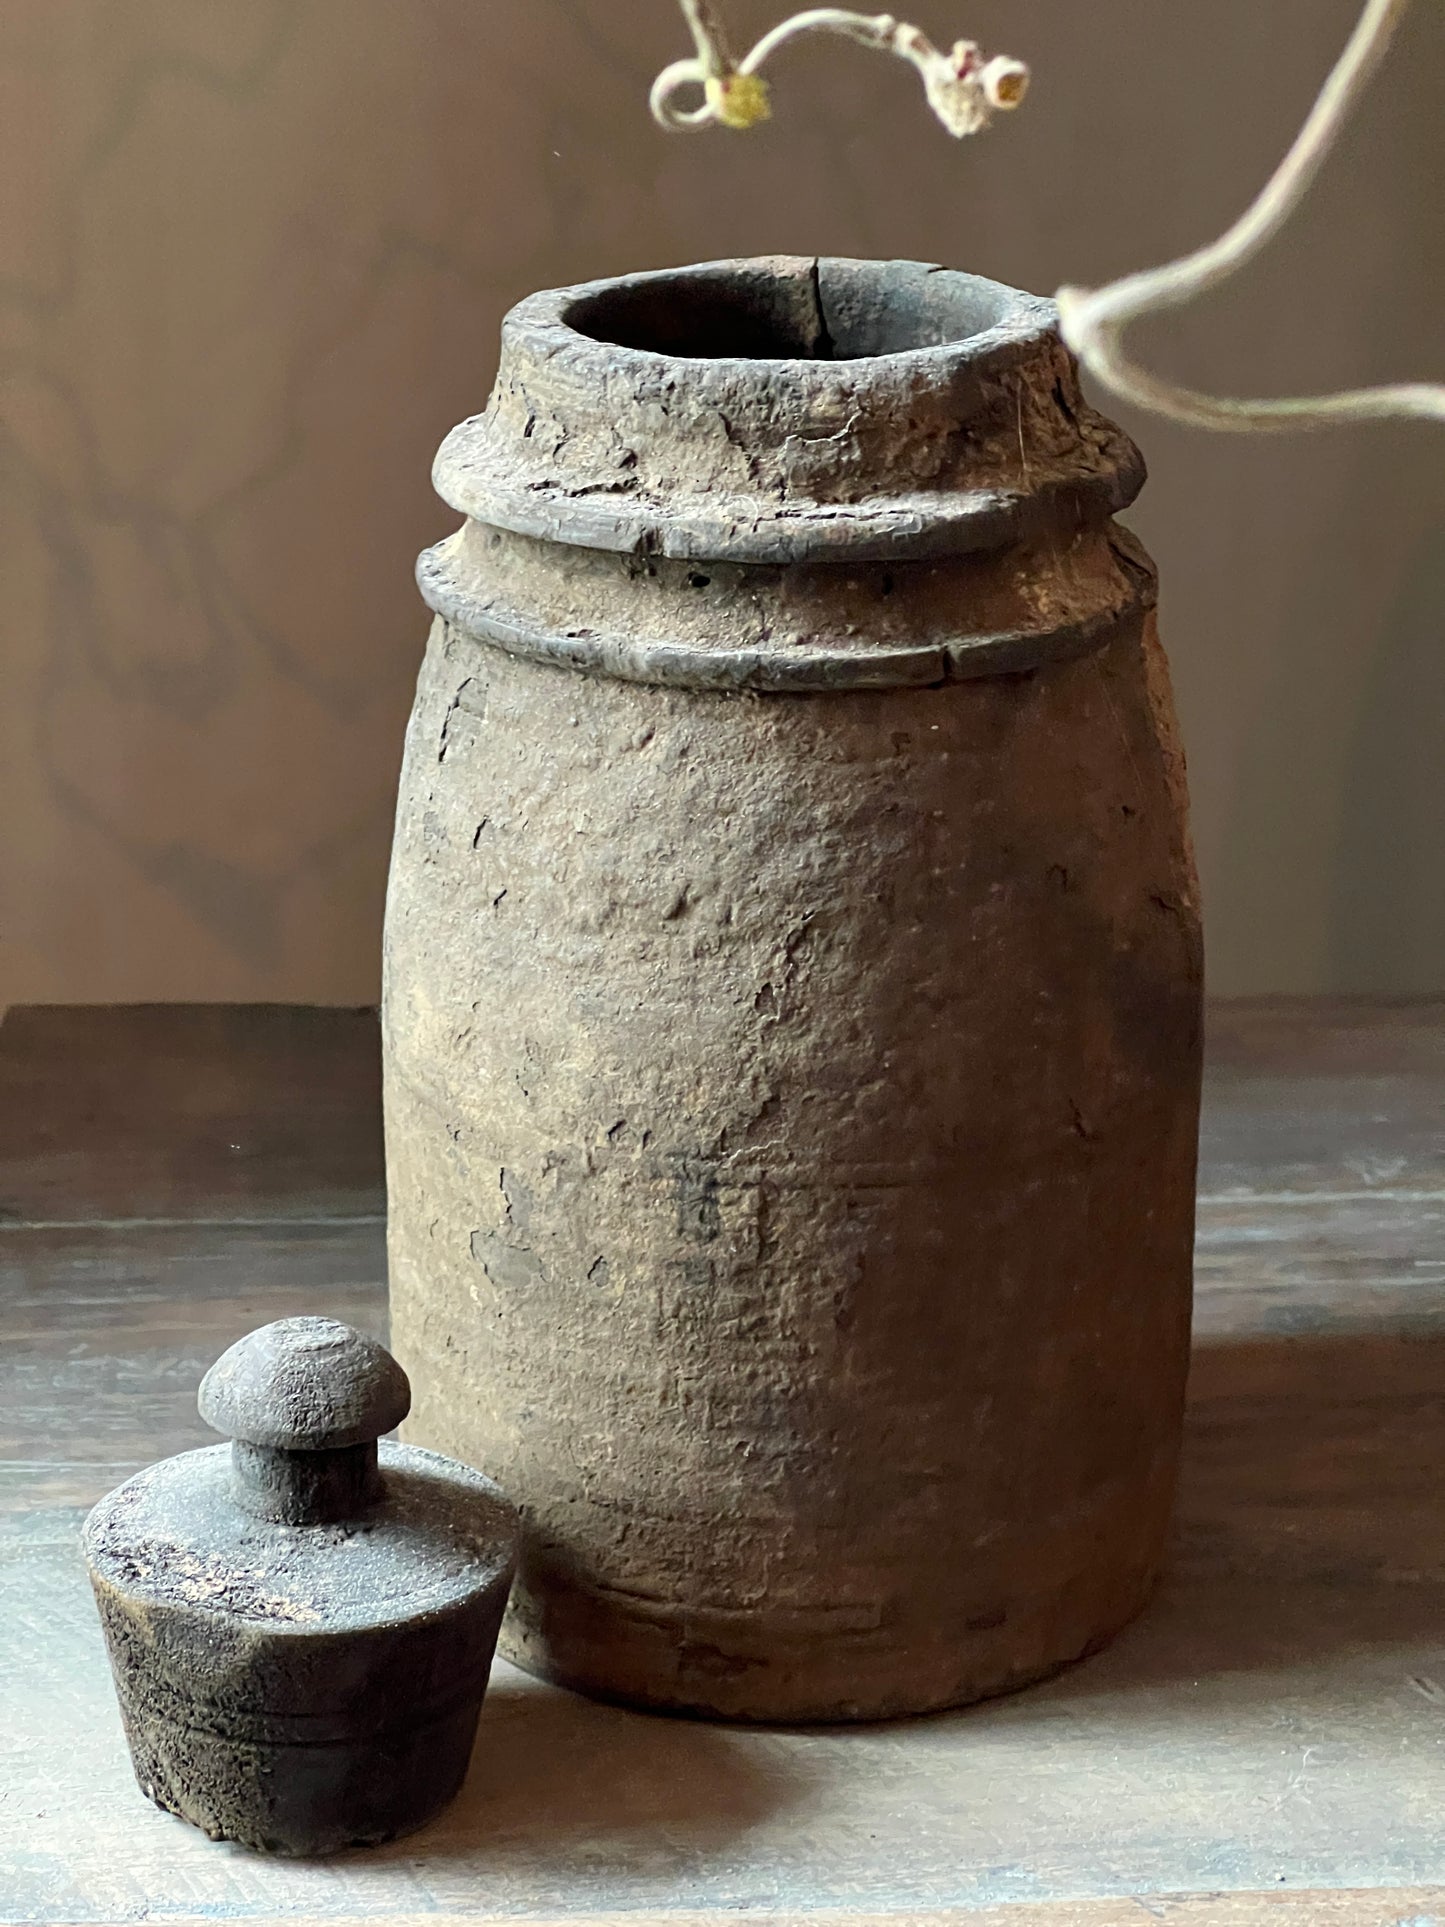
(792, 1001)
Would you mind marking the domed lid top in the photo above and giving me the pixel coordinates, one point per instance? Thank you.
(305, 1385)
(440, 1533)
(773, 410)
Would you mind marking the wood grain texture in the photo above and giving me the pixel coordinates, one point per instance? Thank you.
(1263, 1747)
(193, 1111)
(1314, 1097)
(1396, 1907)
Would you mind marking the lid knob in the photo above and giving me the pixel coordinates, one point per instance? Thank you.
(304, 1401)
(305, 1385)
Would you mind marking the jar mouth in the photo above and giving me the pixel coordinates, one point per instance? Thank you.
(764, 310)
(783, 409)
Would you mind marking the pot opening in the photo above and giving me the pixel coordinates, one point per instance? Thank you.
(785, 311)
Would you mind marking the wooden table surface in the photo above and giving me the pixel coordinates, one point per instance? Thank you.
(1267, 1744)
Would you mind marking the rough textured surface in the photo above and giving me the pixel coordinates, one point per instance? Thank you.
(292, 1673)
(305, 1385)
(792, 1097)
(304, 1401)
(779, 410)
(1271, 1721)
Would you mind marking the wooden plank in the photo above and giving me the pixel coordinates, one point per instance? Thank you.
(1307, 1037)
(1318, 1462)
(1168, 1770)
(1318, 1264)
(1320, 1907)
(1264, 1746)
(118, 1324)
(1307, 1096)
(1276, 1715)
(133, 1111)
(188, 1110)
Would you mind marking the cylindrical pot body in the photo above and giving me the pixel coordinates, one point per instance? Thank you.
(793, 992)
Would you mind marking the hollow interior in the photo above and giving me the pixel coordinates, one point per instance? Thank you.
(785, 310)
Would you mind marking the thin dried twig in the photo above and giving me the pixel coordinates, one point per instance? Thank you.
(1093, 321)
(964, 89)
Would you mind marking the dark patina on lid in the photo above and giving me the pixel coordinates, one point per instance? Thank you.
(305, 1385)
(301, 1623)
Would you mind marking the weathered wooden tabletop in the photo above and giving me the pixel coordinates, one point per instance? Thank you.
(1266, 1745)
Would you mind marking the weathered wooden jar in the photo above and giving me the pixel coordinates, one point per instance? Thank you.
(792, 994)
(301, 1624)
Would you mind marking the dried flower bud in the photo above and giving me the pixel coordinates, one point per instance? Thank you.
(1004, 82)
(964, 90)
(738, 100)
(966, 57)
(953, 90)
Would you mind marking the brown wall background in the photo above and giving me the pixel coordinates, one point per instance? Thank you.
(253, 255)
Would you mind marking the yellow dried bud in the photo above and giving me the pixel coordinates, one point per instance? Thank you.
(1004, 82)
(738, 100)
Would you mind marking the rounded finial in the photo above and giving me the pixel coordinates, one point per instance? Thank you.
(305, 1385)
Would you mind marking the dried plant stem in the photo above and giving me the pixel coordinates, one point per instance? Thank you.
(1094, 320)
(964, 88)
(707, 33)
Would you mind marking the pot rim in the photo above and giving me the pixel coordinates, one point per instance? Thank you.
(1020, 320)
(919, 451)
